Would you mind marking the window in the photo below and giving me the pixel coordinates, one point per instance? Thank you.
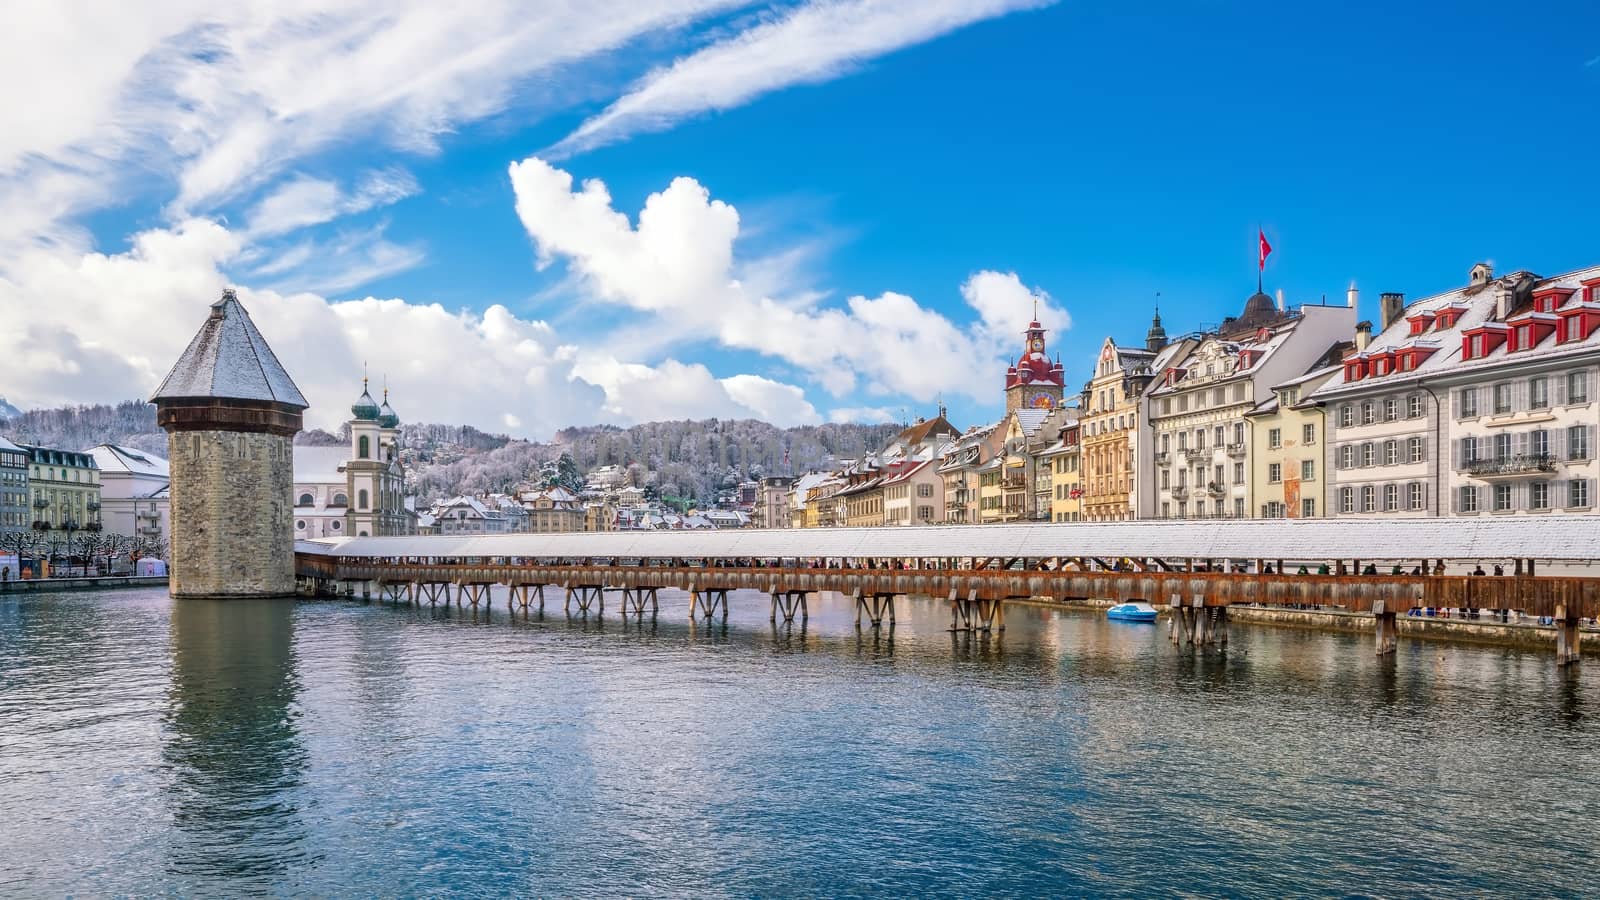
(340, 500)
(1166, 479)
(1391, 409)
(1368, 454)
(1274, 438)
(1502, 447)
(1502, 399)
(1274, 472)
(1369, 499)
(1347, 456)
(1200, 439)
(1391, 452)
(1414, 450)
(1166, 443)
(1347, 500)
(1468, 501)
(1414, 406)
(1308, 469)
(336, 525)
(1578, 442)
(361, 499)
(1238, 507)
(1308, 508)
(299, 524)
(1539, 443)
(1468, 402)
(1221, 436)
(1414, 496)
(924, 490)
(1166, 510)
(1502, 497)
(1308, 434)
(1391, 497)
(1539, 495)
(1577, 387)
(1238, 433)
(1238, 473)
(1217, 476)
(306, 500)
(1368, 415)
(1578, 493)
(1347, 416)
(1539, 393)
(1183, 440)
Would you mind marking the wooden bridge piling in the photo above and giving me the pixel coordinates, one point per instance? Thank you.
(1385, 627)
(1568, 651)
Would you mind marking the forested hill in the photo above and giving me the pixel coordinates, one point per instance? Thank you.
(692, 460)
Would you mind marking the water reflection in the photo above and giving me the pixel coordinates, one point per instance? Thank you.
(231, 742)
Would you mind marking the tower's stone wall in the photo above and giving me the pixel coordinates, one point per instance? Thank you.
(232, 522)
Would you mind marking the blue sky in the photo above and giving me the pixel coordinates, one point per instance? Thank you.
(1100, 152)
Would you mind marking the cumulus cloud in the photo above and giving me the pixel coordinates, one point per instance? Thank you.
(677, 263)
(812, 43)
(866, 415)
(116, 323)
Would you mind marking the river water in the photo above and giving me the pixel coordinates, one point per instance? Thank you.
(341, 748)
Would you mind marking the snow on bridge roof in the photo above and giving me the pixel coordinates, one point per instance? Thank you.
(1499, 537)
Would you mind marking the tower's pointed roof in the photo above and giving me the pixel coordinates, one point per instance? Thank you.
(230, 360)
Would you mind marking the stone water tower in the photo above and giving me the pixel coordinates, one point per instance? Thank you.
(230, 412)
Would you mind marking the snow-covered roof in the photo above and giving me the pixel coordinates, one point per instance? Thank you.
(1501, 537)
(229, 359)
(113, 459)
(320, 465)
(1475, 307)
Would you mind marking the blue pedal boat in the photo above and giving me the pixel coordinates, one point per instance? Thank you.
(1132, 612)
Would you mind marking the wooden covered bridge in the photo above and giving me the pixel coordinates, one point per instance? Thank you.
(1195, 568)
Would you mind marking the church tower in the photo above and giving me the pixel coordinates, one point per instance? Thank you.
(230, 412)
(1034, 382)
(374, 477)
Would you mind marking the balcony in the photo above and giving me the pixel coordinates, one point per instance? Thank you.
(1163, 458)
(1014, 482)
(1180, 493)
(1520, 465)
(1216, 490)
(1237, 451)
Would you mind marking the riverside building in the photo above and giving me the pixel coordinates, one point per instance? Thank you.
(1198, 406)
(1477, 401)
(14, 508)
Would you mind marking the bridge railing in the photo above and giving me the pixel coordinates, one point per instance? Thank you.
(1539, 595)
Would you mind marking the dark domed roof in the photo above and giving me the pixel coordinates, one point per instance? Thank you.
(1258, 309)
(365, 408)
(386, 414)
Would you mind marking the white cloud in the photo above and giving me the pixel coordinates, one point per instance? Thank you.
(304, 201)
(677, 265)
(812, 43)
(1006, 307)
(675, 390)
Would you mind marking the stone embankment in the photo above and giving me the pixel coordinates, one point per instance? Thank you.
(1485, 630)
(99, 583)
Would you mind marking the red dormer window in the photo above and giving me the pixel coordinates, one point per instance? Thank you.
(1246, 358)
(1480, 342)
(1355, 369)
(1550, 299)
(1446, 319)
(1591, 290)
(1526, 332)
(1577, 325)
(1420, 322)
(1382, 364)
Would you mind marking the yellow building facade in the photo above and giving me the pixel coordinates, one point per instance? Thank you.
(1287, 480)
(63, 489)
(1109, 423)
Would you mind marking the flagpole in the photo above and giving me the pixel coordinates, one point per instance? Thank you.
(1261, 262)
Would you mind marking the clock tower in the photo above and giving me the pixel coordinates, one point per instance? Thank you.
(1034, 381)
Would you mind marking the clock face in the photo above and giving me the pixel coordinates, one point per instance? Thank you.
(1042, 400)
(1037, 345)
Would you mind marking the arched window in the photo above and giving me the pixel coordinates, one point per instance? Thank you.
(361, 499)
(364, 447)
(306, 500)
(340, 500)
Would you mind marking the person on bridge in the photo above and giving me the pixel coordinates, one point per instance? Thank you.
(1478, 570)
(1303, 570)
(1371, 569)
(1322, 569)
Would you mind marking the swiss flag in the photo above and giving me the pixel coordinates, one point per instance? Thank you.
(1266, 248)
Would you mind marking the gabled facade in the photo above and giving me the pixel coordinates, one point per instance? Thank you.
(1197, 406)
(14, 506)
(1109, 416)
(134, 495)
(1287, 471)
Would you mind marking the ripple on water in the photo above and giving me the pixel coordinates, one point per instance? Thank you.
(334, 748)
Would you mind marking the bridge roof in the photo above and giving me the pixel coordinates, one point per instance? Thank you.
(1498, 537)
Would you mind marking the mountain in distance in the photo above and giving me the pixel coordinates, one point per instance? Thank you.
(7, 411)
(690, 462)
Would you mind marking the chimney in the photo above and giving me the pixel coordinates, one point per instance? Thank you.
(1351, 296)
(1390, 306)
(1363, 335)
(1280, 300)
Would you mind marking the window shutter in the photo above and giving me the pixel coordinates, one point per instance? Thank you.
(1455, 404)
(1519, 396)
(1558, 396)
(1519, 444)
(1457, 448)
(1588, 447)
